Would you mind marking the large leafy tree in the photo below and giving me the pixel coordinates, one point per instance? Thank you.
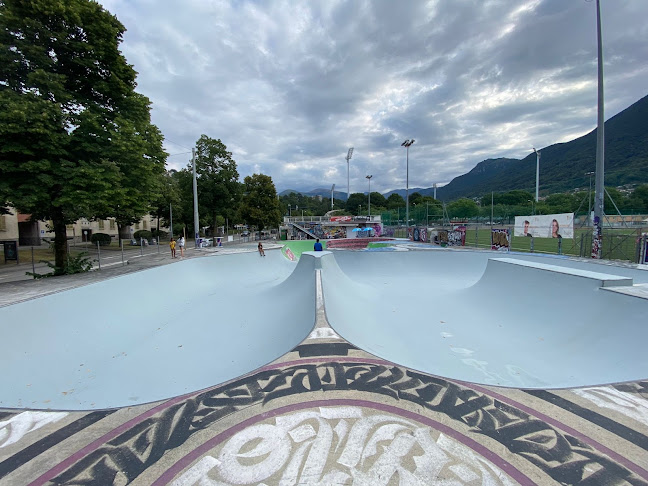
(463, 208)
(395, 201)
(218, 188)
(356, 199)
(260, 206)
(75, 138)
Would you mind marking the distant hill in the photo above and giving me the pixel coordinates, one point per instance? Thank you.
(325, 193)
(563, 166)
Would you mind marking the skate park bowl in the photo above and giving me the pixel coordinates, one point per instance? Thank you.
(513, 320)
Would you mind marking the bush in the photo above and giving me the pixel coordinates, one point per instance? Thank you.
(160, 234)
(143, 234)
(102, 238)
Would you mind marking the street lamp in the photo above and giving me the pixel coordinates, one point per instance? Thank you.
(537, 152)
(407, 144)
(348, 157)
(369, 179)
(332, 187)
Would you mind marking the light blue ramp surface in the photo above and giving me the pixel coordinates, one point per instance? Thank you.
(527, 322)
(154, 334)
(510, 320)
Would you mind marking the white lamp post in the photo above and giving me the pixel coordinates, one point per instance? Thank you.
(407, 144)
(332, 187)
(369, 179)
(537, 152)
(348, 157)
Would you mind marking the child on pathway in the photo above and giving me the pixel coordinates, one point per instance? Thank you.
(172, 245)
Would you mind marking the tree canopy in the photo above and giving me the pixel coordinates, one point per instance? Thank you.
(260, 206)
(219, 190)
(75, 138)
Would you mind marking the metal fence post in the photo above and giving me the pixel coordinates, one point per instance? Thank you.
(531, 249)
(122, 249)
(141, 246)
(580, 251)
(560, 245)
(33, 264)
(98, 255)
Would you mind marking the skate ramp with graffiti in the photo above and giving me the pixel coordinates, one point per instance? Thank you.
(483, 317)
(154, 334)
(522, 321)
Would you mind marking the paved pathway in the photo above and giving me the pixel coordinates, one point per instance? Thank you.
(328, 413)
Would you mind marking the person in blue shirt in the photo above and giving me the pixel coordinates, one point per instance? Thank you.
(317, 246)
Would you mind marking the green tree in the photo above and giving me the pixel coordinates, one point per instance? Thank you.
(260, 206)
(219, 190)
(463, 208)
(638, 200)
(378, 200)
(395, 201)
(356, 199)
(75, 138)
(168, 196)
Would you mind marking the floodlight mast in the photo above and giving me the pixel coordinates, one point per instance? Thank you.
(537, 152)
(332, 188)
(407, 143)
(599, 178)
(348, 157)
(369, 179)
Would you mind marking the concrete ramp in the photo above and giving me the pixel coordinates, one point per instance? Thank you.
(518, 323)
(154, 334)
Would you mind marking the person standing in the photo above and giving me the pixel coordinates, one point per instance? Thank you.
(317, 246)
(172, 245)
(181, 244)
(261, 251)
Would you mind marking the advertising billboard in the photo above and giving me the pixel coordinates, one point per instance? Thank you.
(545, 226)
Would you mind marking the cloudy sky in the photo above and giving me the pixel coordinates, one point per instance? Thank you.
(289, 86)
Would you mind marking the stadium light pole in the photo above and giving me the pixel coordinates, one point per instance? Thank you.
(195, 198)
(369, 179)
(332, 188)
(407, 144)
(348, 157)
(599, 179)
(537, 152)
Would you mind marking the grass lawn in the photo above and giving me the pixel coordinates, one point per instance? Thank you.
(299, 246)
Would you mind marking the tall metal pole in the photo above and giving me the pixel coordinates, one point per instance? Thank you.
(195, 197)
(170, 222)
(369, 179)
(332, 188)
(407, 144)
(599, 185)
(537, 152)
(348, 157)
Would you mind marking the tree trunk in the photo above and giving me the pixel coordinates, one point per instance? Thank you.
(60, 242)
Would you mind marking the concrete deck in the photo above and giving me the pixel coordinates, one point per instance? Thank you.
(323, 410)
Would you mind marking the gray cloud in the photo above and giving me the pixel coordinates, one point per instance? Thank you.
(289, 86)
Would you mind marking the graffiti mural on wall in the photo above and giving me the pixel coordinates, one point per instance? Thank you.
(500, 239)
(456, 237)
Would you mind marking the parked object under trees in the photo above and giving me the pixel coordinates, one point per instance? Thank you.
(75, 138)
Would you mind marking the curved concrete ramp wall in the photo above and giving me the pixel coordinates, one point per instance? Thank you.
(154, 334)
(508, 322)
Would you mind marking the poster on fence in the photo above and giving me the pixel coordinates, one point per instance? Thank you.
(500, 239)
(545, 226)
(418, 234)
(456, 237)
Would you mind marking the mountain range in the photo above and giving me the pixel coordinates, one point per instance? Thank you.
(563, 166)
